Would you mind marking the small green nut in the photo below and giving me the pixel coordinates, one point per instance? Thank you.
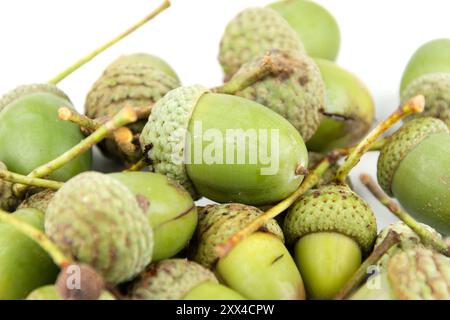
(24, 265)
(415, 274)
(297, 91)
(253, 32)
(137, 80)
(39, 200)
(170, 210)
(8, 201)
(224, 147)
(348, 113)
(317, 28)
(98, 221)
(49, 292)
(417, 158)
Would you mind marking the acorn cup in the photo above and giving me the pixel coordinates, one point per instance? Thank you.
(259, 267)
(180, 279)
(223, 147)
(39, 200)
(28, 121)
(428, 73)
(417, 158)
(317, 28)
(138, 80)
(414, 274)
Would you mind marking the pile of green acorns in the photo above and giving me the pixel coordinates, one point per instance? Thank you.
(67, 232)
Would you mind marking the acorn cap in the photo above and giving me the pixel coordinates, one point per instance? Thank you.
(297, 91)
(98, 221)
(217, 223)
(8, 200)
(163, 138)
(24, 90)
(39, 201)
(170, 280)
(419, 274)
(435, 87)
(411, 134)
(332, 208)
(253, 32)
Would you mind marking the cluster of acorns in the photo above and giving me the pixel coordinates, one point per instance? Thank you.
(70, 233)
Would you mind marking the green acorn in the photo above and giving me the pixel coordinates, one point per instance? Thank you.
(199, 139)
(178, 279)
(39, 200)
(49, 292)
(317, 28)
(98, 221)
(253, 32)
(415, 274)
(138, 80)
(330, 228)
(348, 113)
(8, 201)
(417, 158)
(170, 210)
(428, 73)
(259, 267)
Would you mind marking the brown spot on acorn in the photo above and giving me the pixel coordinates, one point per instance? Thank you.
(79, 282)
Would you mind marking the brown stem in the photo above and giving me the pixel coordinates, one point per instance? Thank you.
(391, 239)
(425, 235)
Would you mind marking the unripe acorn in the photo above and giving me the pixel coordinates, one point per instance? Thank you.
(417, 158)
(98, 221)
(348, 113)
(230, 168)
(177, 279)
(258, 267)
(39, 200)
(428, 73)
(8, 201)
(317, 28)
(49, 292)
(24, 266)
(330, 228)
(138, 80)
(415, 274)
(253, 32)
(170, 210)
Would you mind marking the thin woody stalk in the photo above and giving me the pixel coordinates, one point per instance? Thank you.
(25, 180)
(425, 235)
(138, 166)
(109, 44)
(414, 105)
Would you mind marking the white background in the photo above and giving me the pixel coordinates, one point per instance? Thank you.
(40, 38)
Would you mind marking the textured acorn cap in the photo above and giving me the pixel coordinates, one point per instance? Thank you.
(435, 87)
(98, 221)
(217, 223)
(170, 280)
(411, 134)
(24, 90)
(297, 91)
(163, 138)
(39, 201)
(8, 201)
(332, 208)
(253, 32)
(419, 274)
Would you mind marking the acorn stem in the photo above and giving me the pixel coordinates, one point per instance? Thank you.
(414, 105)
(138, 166)
(35, 182)
(122, 118)
(391, 239)
(376, 146)
(109, 44)
(39, 237)
(310, 181)
(425, 235)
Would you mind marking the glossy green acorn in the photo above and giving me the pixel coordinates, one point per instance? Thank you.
(330, 228)
(27, 136)
(39, 200)
(223, 147)
(177, 279)
(317, 28)
(253, 32)
(171, 211)
(348, 113)
(417, 158)
(138, 80)
(98, 221)
(49, 292)
(258, 267)
(24, 265)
